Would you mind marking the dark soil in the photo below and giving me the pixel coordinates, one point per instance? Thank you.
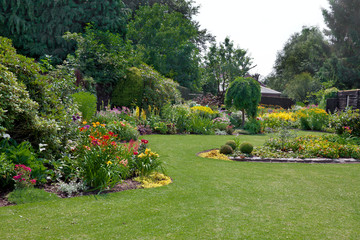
(125, 185)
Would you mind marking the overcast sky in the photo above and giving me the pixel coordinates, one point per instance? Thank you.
(260, 26)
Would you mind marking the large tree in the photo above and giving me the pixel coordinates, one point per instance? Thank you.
(166, 41)
(36, 26)
(104, 57)
(224, 63)
(305, 51)
(343, 19)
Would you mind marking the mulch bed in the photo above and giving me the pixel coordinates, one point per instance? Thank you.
(125, 185)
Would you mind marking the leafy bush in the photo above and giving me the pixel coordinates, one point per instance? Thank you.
(232, 144)
(160, 127)
(6, 173)
(86, 103)
(129, 90)
(347, 122)
(253, 126)
(177, 114)
(315, 146)
(158, 90)
(246, 147)
(41, 113)
(200, 125)
(226, 149)
(124, 130)
(312, 118)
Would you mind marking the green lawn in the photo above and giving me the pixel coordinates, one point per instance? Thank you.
(209, 199)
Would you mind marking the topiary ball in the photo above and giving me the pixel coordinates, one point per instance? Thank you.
(231, 143)
(226, 149)
(246, 147)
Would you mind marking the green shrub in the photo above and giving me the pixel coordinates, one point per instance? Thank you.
(200, 125)
(129, 90)
(253, 126)
(226, 149)
(246, 147)
(41, 114)
(177, 114)
(6, 173)
(313, 118)
(146, 162)
(232, 144)
(86, 102)
(160, 127)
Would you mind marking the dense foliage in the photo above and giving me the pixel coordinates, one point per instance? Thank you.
(244, 94)
(36, 26)
(166, 41)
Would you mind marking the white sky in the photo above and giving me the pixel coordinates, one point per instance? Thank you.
(260, 26)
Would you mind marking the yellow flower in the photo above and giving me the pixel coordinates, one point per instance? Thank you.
(94, 124)
(109, 162)
(84, 122)
(147, 151)
(103, 125)
(141, 155)
(97, 123)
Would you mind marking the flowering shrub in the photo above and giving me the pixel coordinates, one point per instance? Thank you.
(22, 177)
(204, 111)
(101, 160)
(146, 162)
(124, 130)
(347, 122)
(312, 118)
(277, 119)
(221, 123)
(314, 146)
(116, 114)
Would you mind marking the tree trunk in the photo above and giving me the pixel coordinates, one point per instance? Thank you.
(243, 118)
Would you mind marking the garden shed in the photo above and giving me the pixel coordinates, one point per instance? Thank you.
(273, 98)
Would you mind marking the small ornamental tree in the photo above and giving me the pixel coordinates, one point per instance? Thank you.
(244, 94)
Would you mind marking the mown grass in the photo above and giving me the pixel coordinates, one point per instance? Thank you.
(209, 199)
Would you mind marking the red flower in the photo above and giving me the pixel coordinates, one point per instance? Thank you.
(33, 181)
(135, 153)
(111, 133)
(144, 141)
(113, 143)
(106, 137)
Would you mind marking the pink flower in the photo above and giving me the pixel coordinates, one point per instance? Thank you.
(144, 141)
(136, 153)
(17, 177)
(33, 181)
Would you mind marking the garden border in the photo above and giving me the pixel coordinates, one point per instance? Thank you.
(291, 160)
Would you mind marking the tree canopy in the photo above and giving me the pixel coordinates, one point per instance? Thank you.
(224, 63)
(244, 94)
(37, 26)
(342, 20)
(166, 41)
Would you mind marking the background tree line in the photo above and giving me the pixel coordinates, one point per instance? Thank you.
(313, 61)
(164, 35)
